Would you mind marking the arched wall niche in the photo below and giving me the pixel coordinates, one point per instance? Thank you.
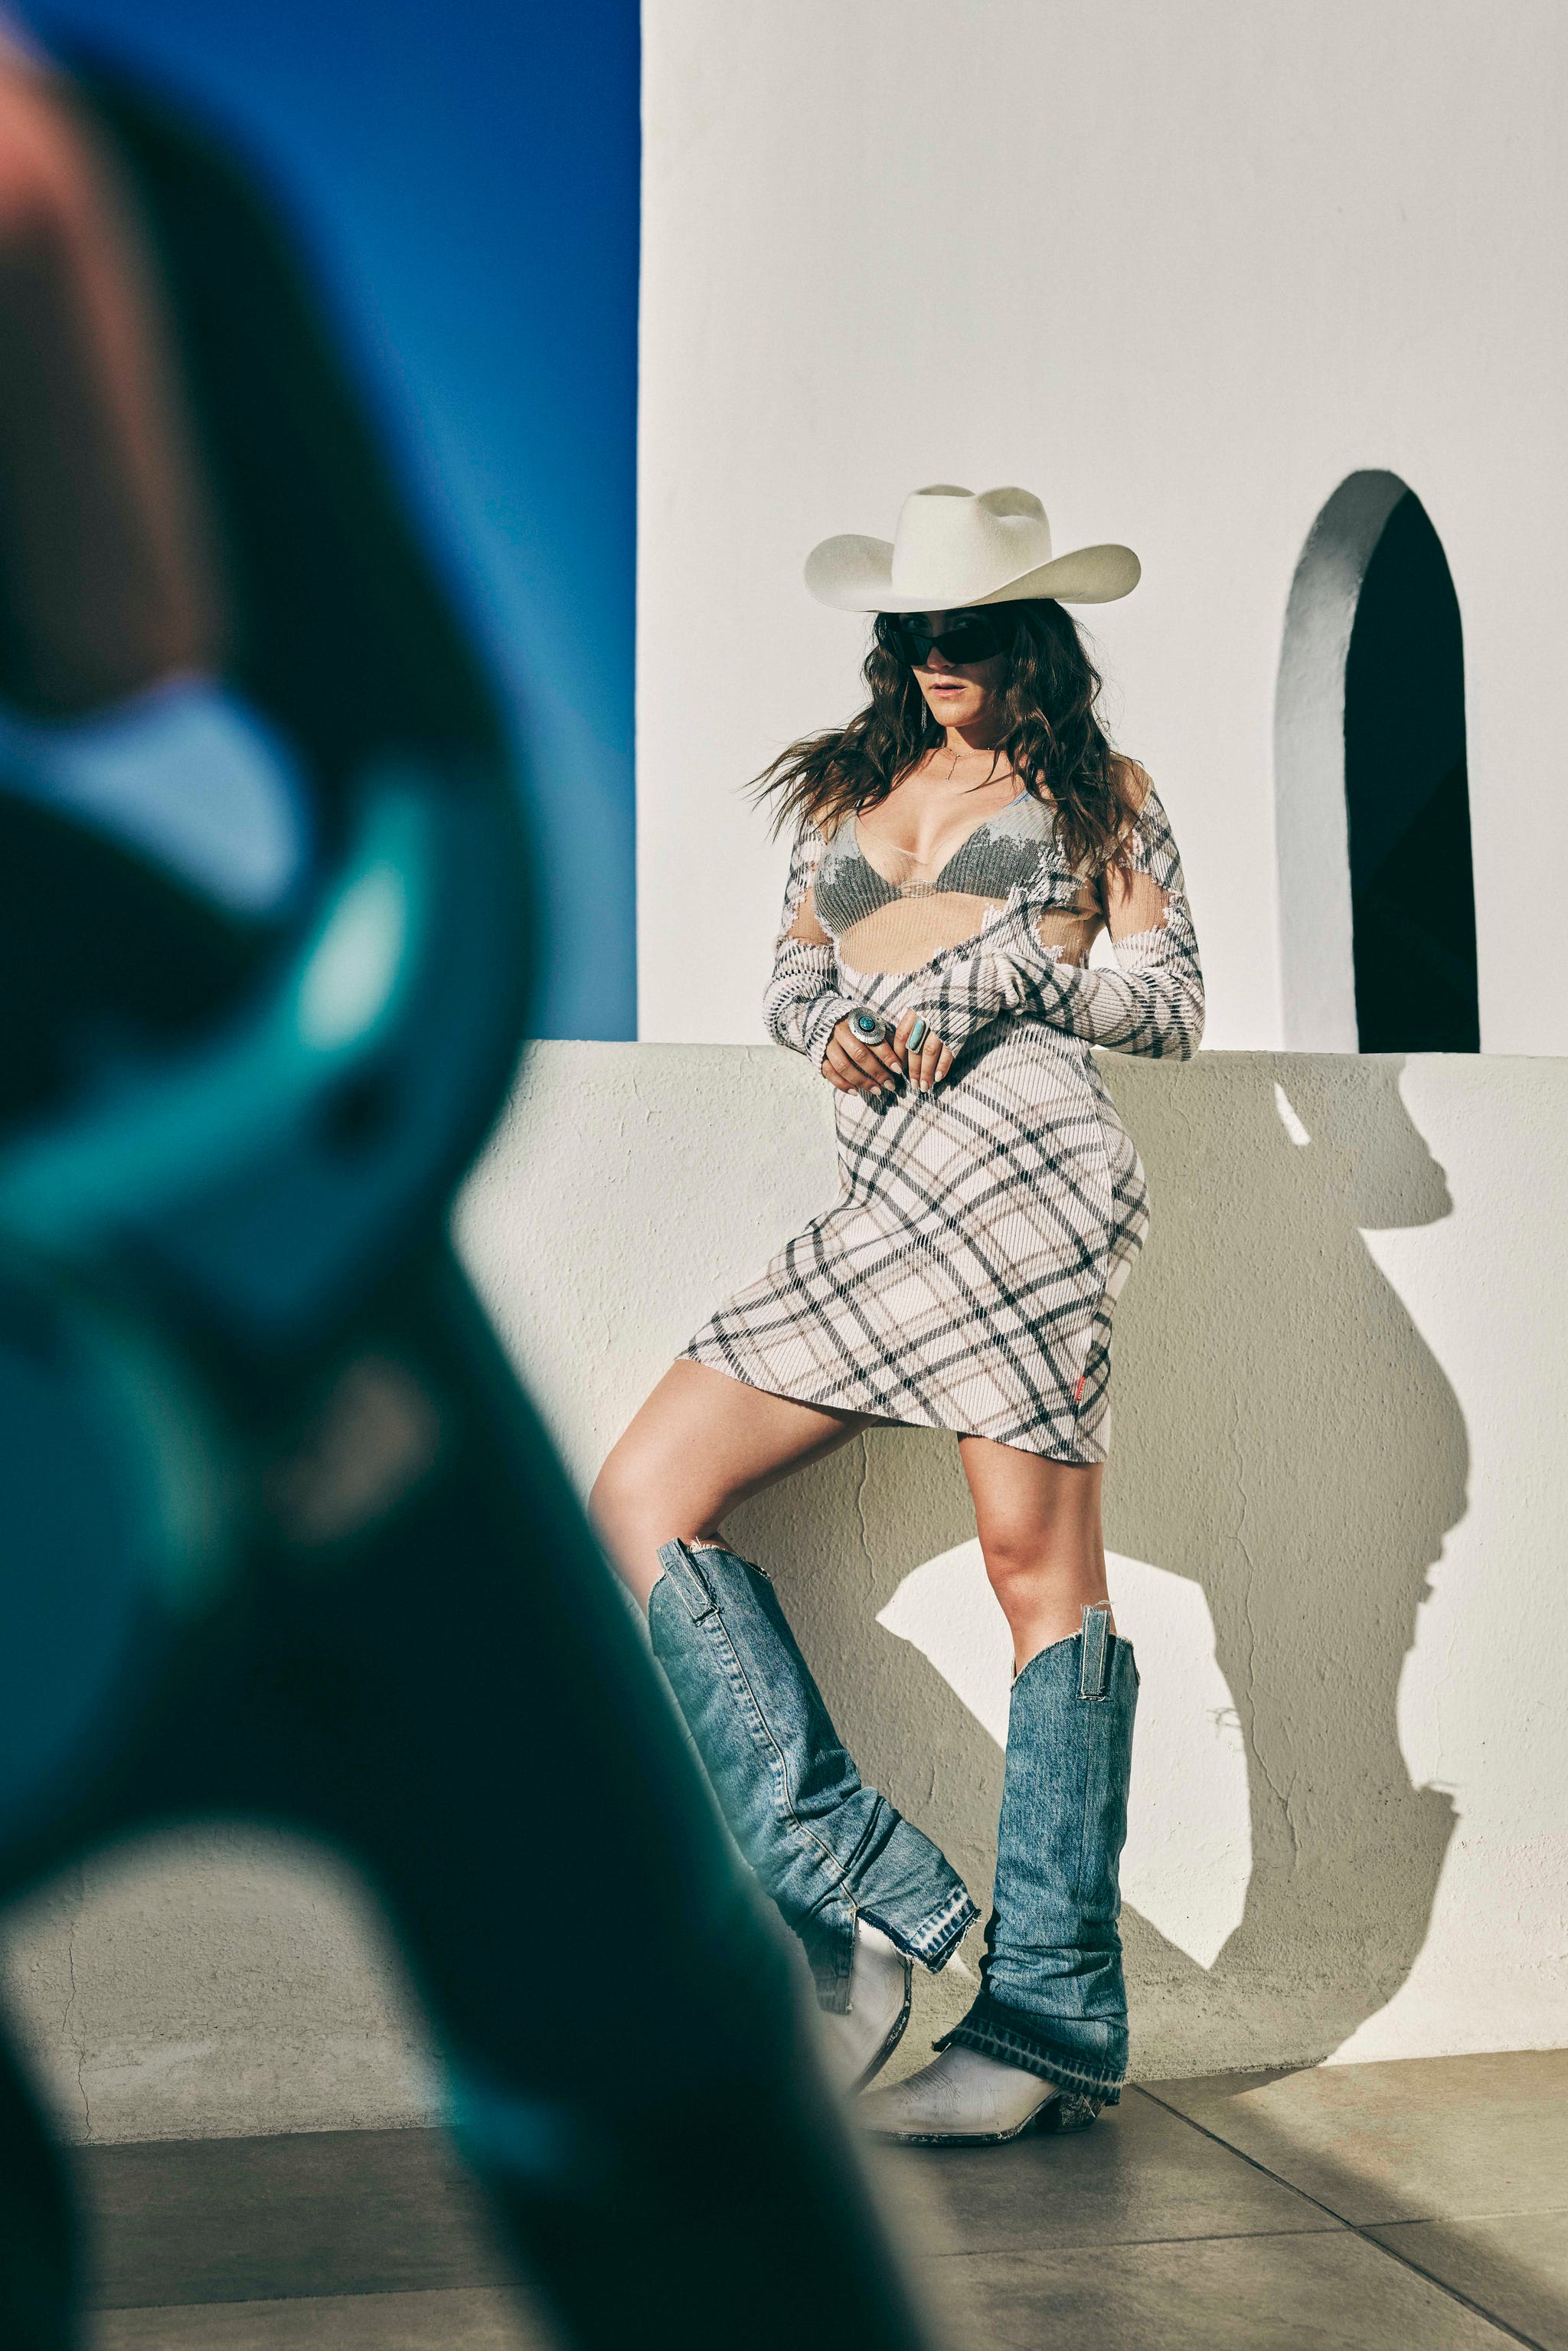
(1317, 943)
(1377, 900)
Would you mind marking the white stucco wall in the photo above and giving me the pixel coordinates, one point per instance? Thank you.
(1183, 269)
(1179, 268)
(1339, 1473)
(1339, 1478)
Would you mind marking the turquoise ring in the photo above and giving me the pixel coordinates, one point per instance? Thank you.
(867, 1024)
(917, 1033)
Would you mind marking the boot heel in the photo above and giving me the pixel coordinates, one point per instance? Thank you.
(1067, 2113)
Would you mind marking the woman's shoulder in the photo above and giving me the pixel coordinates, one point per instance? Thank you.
(1135, 784)
(818, 847)
(815, 834)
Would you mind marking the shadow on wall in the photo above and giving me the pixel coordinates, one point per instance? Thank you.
(1285, 1439)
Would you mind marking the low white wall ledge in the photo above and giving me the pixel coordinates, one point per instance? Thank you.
(1339, 1473)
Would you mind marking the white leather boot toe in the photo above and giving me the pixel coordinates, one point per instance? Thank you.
(861, 2042)
(966, 2099)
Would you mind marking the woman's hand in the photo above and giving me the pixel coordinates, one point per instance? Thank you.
(857, 1068)
(921, 1052)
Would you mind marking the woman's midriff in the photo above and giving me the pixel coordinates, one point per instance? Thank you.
(902, 939)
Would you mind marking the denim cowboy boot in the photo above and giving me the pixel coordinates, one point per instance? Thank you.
(1044, 2046)
(834, 1855)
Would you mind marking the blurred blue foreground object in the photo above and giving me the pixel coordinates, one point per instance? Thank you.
(282, 1536)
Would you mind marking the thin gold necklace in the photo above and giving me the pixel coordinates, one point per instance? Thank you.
(953, 771)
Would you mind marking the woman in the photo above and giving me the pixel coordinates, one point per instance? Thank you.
(961, 844)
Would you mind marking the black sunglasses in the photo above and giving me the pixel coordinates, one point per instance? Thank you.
(964, 637)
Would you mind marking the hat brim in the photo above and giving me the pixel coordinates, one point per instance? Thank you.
(855, 575)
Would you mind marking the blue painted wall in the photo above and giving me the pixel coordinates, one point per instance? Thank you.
(468, 175)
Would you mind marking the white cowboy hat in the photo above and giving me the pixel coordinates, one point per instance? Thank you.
(953, 548)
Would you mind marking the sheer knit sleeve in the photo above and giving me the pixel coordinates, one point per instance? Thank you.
(1152, 1003)
(802, 1005)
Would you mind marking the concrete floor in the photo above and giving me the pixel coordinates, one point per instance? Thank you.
(1420, 2206)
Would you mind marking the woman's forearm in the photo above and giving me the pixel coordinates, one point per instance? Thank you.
(1154, 1005)
(802, 1005)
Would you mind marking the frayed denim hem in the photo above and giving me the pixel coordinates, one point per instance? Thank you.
(829, 1951)
(935, 1939)
(1018, 2040)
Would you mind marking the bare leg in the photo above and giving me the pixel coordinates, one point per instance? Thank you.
(865, 1891)
(701, 1443)
(1050, 2025)
(1038, 1523)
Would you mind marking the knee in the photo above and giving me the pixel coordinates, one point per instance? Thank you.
(1029, 1564)
(637, 1502)
(1017, 1563)
(618, 1498)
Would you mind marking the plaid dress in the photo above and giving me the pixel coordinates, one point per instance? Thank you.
(967, 1275)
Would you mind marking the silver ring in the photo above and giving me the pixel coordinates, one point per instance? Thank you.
(869, 1028)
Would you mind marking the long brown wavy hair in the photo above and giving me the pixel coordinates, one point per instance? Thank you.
(1053, 740)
